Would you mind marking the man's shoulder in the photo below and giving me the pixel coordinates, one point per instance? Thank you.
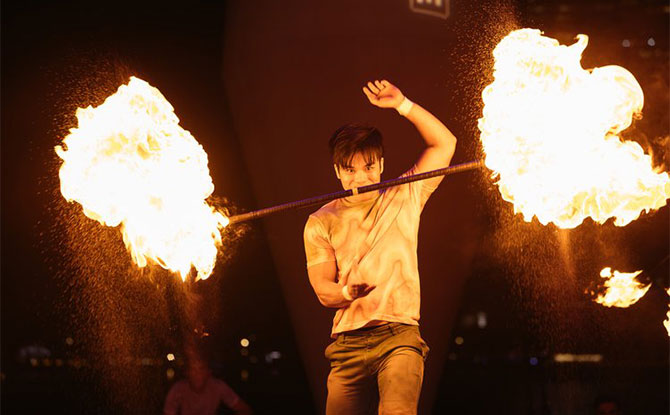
(224, 390)
(325, 211)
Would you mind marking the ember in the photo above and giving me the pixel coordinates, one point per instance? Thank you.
(622, 290)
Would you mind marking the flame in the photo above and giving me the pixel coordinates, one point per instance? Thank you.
(129, 163)
(622, 290)
(666, 322)
(549, 130)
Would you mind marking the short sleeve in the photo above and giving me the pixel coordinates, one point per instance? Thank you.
(419, 190)
(317, 248)
(227, 395)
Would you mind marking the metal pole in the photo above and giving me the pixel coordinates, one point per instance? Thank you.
(354, 191)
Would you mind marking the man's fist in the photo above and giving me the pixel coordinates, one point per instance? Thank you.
(360, 290)
(383, 94)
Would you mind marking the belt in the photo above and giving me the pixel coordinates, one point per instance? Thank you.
(391, 327)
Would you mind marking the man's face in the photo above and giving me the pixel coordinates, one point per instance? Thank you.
(360, 172)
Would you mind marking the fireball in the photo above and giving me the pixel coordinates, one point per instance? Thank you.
(129, 164)
(622, 290)
(550, 132)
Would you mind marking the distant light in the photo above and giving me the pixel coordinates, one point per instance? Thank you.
(170, 357)
(58, 362)
(33, 362)
(169, 373)
(244, 375)
(569, 357)
(533, 361)
(244, 342)
(272, 356)
(69, 341)
(625, 43)
(481, 320)
(46, 362)
(651, 41)
(244, 352)
(459, 340)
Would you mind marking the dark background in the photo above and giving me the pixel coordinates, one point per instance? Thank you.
(262, 85)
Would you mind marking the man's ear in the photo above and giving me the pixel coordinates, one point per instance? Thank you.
(381, 165)
(337, 171)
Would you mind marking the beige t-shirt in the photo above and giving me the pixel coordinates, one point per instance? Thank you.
(373, 241)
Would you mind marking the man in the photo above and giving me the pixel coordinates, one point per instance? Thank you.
(361, 260)
(201, 393)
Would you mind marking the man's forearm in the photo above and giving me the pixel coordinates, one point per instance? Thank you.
(330, 295)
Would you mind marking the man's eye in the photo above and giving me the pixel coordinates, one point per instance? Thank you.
(370, 168)
(350, 170)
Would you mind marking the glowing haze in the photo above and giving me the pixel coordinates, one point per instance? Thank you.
(550, 133)
(622, 290)
(129, 163)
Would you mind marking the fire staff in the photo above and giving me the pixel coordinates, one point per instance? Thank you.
(362, 260)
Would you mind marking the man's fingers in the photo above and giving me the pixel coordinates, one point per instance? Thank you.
(373, 88)
(379, 85)
(361, 290)
(385, 83)
(369, 94)
(368, 290)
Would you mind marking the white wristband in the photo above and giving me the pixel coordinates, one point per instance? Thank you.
(345, 293)
(405, 107)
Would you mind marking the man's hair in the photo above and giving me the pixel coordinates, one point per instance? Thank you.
(350, 139)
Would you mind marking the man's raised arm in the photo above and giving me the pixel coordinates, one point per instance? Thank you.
(440, 142)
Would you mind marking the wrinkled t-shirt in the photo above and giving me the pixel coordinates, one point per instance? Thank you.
(372, 241)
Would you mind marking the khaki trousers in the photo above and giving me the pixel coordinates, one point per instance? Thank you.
(378, 370)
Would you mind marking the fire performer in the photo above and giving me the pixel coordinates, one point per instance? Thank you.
(362, 260)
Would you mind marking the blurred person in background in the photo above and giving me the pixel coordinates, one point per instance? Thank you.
(202, 394)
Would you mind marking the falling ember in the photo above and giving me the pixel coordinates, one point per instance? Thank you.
(550, 133)
(129, 163)
(622, 290)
